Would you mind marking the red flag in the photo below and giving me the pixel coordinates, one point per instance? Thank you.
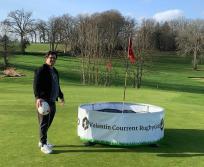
(131, 55)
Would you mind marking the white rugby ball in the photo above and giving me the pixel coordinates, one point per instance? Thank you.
(44, 108)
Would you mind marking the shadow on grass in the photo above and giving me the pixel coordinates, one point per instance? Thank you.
(176, 143)
(75, 78)
(174, 87)
(64, 75)
(25, 67)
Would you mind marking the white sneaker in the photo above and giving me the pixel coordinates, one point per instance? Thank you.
(45, 149)
(48, 144)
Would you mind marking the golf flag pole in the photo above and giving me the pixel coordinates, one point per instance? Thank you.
(131, 57)
(125, 86)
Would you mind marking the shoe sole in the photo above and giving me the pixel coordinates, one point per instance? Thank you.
(46, 152)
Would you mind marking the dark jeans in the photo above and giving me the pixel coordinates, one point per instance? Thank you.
(45, 121)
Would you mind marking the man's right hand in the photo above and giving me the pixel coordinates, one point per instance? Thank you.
(39, 103)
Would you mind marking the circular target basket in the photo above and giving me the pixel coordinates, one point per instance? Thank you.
(118, 123)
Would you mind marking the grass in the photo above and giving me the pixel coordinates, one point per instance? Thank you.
(166, 84)
(41, 47)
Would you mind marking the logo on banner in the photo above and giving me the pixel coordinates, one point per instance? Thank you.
(85, 123)
(162, 124)
(78, 122)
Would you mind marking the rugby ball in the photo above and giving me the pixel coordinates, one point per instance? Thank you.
(44, 108)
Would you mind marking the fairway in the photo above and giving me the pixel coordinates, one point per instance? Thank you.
(166, 85)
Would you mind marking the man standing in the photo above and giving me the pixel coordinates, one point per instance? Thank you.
(47, 88)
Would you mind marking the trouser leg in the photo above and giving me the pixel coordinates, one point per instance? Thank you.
(45, 121)
(52, 113)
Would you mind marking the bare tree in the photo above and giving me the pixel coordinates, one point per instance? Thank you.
(33, 33)
(99, 36)
(21, 23)
(42, 29)
(82, 21)
(145, 34)
(68, 26)
(111, 25)
(191, 40)
(138, 69)
(55, 26)
(4, 40)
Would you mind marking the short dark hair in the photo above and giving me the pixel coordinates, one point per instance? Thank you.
(51, 53)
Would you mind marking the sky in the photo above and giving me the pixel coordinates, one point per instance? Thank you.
(160, 10)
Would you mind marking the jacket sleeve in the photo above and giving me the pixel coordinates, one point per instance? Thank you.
(36, 83)
(61, 95)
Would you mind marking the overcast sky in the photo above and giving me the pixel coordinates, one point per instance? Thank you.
(158, 9)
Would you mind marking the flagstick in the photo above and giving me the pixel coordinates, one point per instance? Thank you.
(124, 93)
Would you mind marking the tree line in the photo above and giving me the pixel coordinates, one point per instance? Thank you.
(100, 37)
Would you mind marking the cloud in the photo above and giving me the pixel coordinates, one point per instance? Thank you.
(168, 15)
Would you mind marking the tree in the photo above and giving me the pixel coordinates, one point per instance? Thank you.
(145, 34)
(109, 27)
(21, 23)
(190, 40)
(4, 41)
(166, 38)
(33, 33)
(42, 29)
(55, 32)
(157, 36)
(99, 36)
(68, 26)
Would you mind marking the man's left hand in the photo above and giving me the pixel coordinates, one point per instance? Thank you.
(62, 102)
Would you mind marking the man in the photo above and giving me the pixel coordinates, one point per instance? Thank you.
(47, 88)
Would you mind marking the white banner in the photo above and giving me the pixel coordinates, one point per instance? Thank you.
(106, 123)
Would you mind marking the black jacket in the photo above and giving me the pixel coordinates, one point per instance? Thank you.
(42, 84)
